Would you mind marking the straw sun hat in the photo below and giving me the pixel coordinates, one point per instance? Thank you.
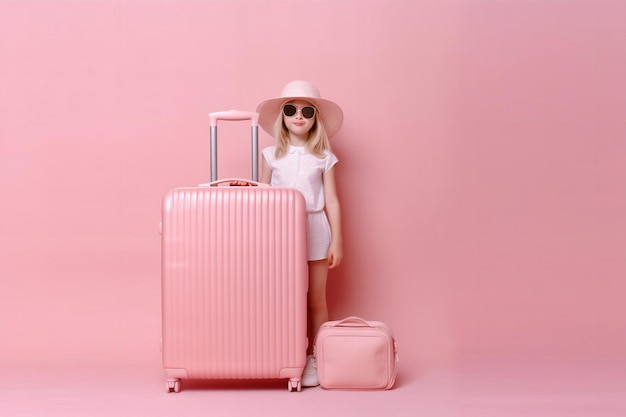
(330, 112)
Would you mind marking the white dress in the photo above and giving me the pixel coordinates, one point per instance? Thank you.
(303, 171)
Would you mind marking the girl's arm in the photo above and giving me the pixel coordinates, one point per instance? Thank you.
(333, 211)
(266, 172)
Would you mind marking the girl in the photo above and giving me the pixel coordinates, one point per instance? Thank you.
(301, 123)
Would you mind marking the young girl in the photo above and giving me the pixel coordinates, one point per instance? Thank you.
(301, 123)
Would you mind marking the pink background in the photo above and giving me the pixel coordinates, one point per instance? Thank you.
(482, 178)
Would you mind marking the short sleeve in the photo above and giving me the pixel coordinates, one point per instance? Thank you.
(330, 161)
(268, 154)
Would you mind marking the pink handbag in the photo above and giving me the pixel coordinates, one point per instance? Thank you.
(356, 354)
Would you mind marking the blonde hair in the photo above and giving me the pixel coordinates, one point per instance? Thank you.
(317, 143)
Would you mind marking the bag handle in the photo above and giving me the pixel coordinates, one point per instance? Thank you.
(353, 321)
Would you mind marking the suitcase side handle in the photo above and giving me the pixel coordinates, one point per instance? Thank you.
(236, 115)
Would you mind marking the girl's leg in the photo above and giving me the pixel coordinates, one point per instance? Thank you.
(317, 315)
(317, 308)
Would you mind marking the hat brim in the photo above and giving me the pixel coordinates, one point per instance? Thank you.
(328, 111)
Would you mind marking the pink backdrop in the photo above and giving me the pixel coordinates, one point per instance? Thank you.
(482, 173)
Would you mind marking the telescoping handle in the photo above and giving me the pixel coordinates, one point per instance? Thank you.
(235, 115)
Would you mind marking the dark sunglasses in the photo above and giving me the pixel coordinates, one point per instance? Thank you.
(307, 111)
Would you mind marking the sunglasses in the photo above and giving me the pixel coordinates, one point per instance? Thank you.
(307, 111)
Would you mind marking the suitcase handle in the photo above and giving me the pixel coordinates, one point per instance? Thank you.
(225, 180)
(235, 115)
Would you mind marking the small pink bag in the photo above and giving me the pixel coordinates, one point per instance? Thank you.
(356, 354)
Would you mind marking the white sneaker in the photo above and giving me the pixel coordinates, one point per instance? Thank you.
(309, 375)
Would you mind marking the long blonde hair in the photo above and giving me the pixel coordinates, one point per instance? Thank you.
(317, 143)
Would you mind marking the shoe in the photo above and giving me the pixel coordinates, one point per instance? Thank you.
(309, 375)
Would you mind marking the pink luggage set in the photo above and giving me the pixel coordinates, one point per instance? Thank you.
(234, 289)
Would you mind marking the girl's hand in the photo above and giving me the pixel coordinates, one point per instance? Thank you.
(335, 255)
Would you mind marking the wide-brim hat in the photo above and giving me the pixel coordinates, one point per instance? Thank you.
(330, 113)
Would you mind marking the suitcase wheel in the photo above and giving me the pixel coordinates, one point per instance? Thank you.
(294, 385)
(172, 385)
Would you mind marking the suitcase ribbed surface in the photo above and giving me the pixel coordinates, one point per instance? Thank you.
(234, 281)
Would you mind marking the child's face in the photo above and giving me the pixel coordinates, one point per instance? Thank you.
(298, 124)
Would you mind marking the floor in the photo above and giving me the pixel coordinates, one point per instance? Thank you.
(74, 388)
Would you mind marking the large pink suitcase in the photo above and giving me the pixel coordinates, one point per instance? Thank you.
(234, 279)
